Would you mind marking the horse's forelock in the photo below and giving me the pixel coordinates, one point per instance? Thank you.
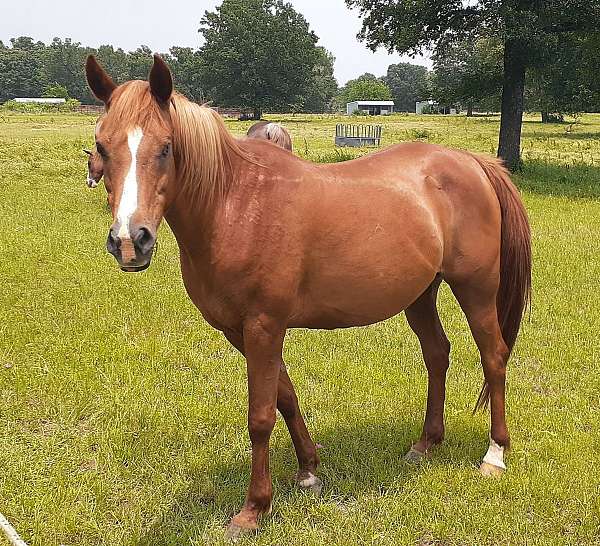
(132, 105)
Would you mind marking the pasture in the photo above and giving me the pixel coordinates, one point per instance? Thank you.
(123, 414)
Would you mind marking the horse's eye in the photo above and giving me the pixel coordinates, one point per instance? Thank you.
(101, 149)
(165, 150)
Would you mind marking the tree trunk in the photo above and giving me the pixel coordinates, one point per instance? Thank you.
(509, 144)
(544, 117)
(470, 110)
(257, 113)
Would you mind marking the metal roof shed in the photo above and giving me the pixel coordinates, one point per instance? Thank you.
(372, 107)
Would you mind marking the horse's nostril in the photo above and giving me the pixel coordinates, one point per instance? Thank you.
(113, 243)
(144, 240)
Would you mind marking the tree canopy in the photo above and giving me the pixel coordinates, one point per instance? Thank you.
(523, 27)
(257, 53)
(365, 87)
(323, 86)
(29, 68)
(468, 73)
(261, 54)
(566, 80)
(21, 73)
(408, 84)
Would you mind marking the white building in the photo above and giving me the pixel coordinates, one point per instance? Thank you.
(371, 107)
(433, 107)
(421, 104)
(41, 100)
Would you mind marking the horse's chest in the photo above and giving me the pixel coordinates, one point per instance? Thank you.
(214, 305)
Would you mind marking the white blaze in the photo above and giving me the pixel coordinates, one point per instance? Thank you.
(129, 196)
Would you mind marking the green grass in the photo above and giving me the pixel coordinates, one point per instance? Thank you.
(122, 413)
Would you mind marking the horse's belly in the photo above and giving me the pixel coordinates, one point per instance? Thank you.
(359, 299)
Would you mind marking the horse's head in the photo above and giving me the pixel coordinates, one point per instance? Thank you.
(134, 142)
(95, 168)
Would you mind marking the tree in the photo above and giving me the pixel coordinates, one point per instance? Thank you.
(186, 65)
(25, 43)
(469, 73)
(408, 84)
(62, 62)
(21, 72)
(56, 91)
(29, 68)
(588, 74)
(323, 86)
(114, 61)
(139, 63)
(523, 26)
(566, 79)
(365, 87)
(257, 53)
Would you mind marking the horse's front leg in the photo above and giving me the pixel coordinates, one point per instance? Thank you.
(263, 342)
(287, 404)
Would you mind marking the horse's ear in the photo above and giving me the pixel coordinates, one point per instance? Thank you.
(161, 81)
(98, 80)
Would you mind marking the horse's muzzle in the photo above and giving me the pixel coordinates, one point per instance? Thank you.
(132, 253)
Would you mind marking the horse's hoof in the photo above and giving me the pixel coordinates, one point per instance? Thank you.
(487, 469)
(311, 483)
(236, 532)
(414, 456)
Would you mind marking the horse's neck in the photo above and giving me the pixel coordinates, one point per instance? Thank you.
(194, 225)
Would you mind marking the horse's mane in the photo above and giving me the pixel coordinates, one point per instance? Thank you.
(203, 149)
(202, 146)
(272, 131)
(279, 135)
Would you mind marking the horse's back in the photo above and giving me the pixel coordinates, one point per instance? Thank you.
(390, 222)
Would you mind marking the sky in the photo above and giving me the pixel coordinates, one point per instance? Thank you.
(161, 24)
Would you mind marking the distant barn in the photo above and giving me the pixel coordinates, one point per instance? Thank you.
(432, 107)
(371, 107)
(40, 100)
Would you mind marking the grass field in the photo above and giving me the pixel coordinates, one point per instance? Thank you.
(122, 413)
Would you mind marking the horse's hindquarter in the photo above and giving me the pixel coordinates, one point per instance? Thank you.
(374, 244)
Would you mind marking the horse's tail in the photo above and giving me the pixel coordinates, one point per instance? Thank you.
(514, 293)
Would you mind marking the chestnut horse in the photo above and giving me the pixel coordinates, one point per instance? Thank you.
(95, 168)
(269, 241)
(274, 132)
(94, 163)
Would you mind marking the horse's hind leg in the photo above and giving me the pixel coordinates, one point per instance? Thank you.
(306, 452)
(423, 318)
(478, 301)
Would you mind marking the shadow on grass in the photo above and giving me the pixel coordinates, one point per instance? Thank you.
(366, 459)
(290, 119)
(576, 180)
(572, 135)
